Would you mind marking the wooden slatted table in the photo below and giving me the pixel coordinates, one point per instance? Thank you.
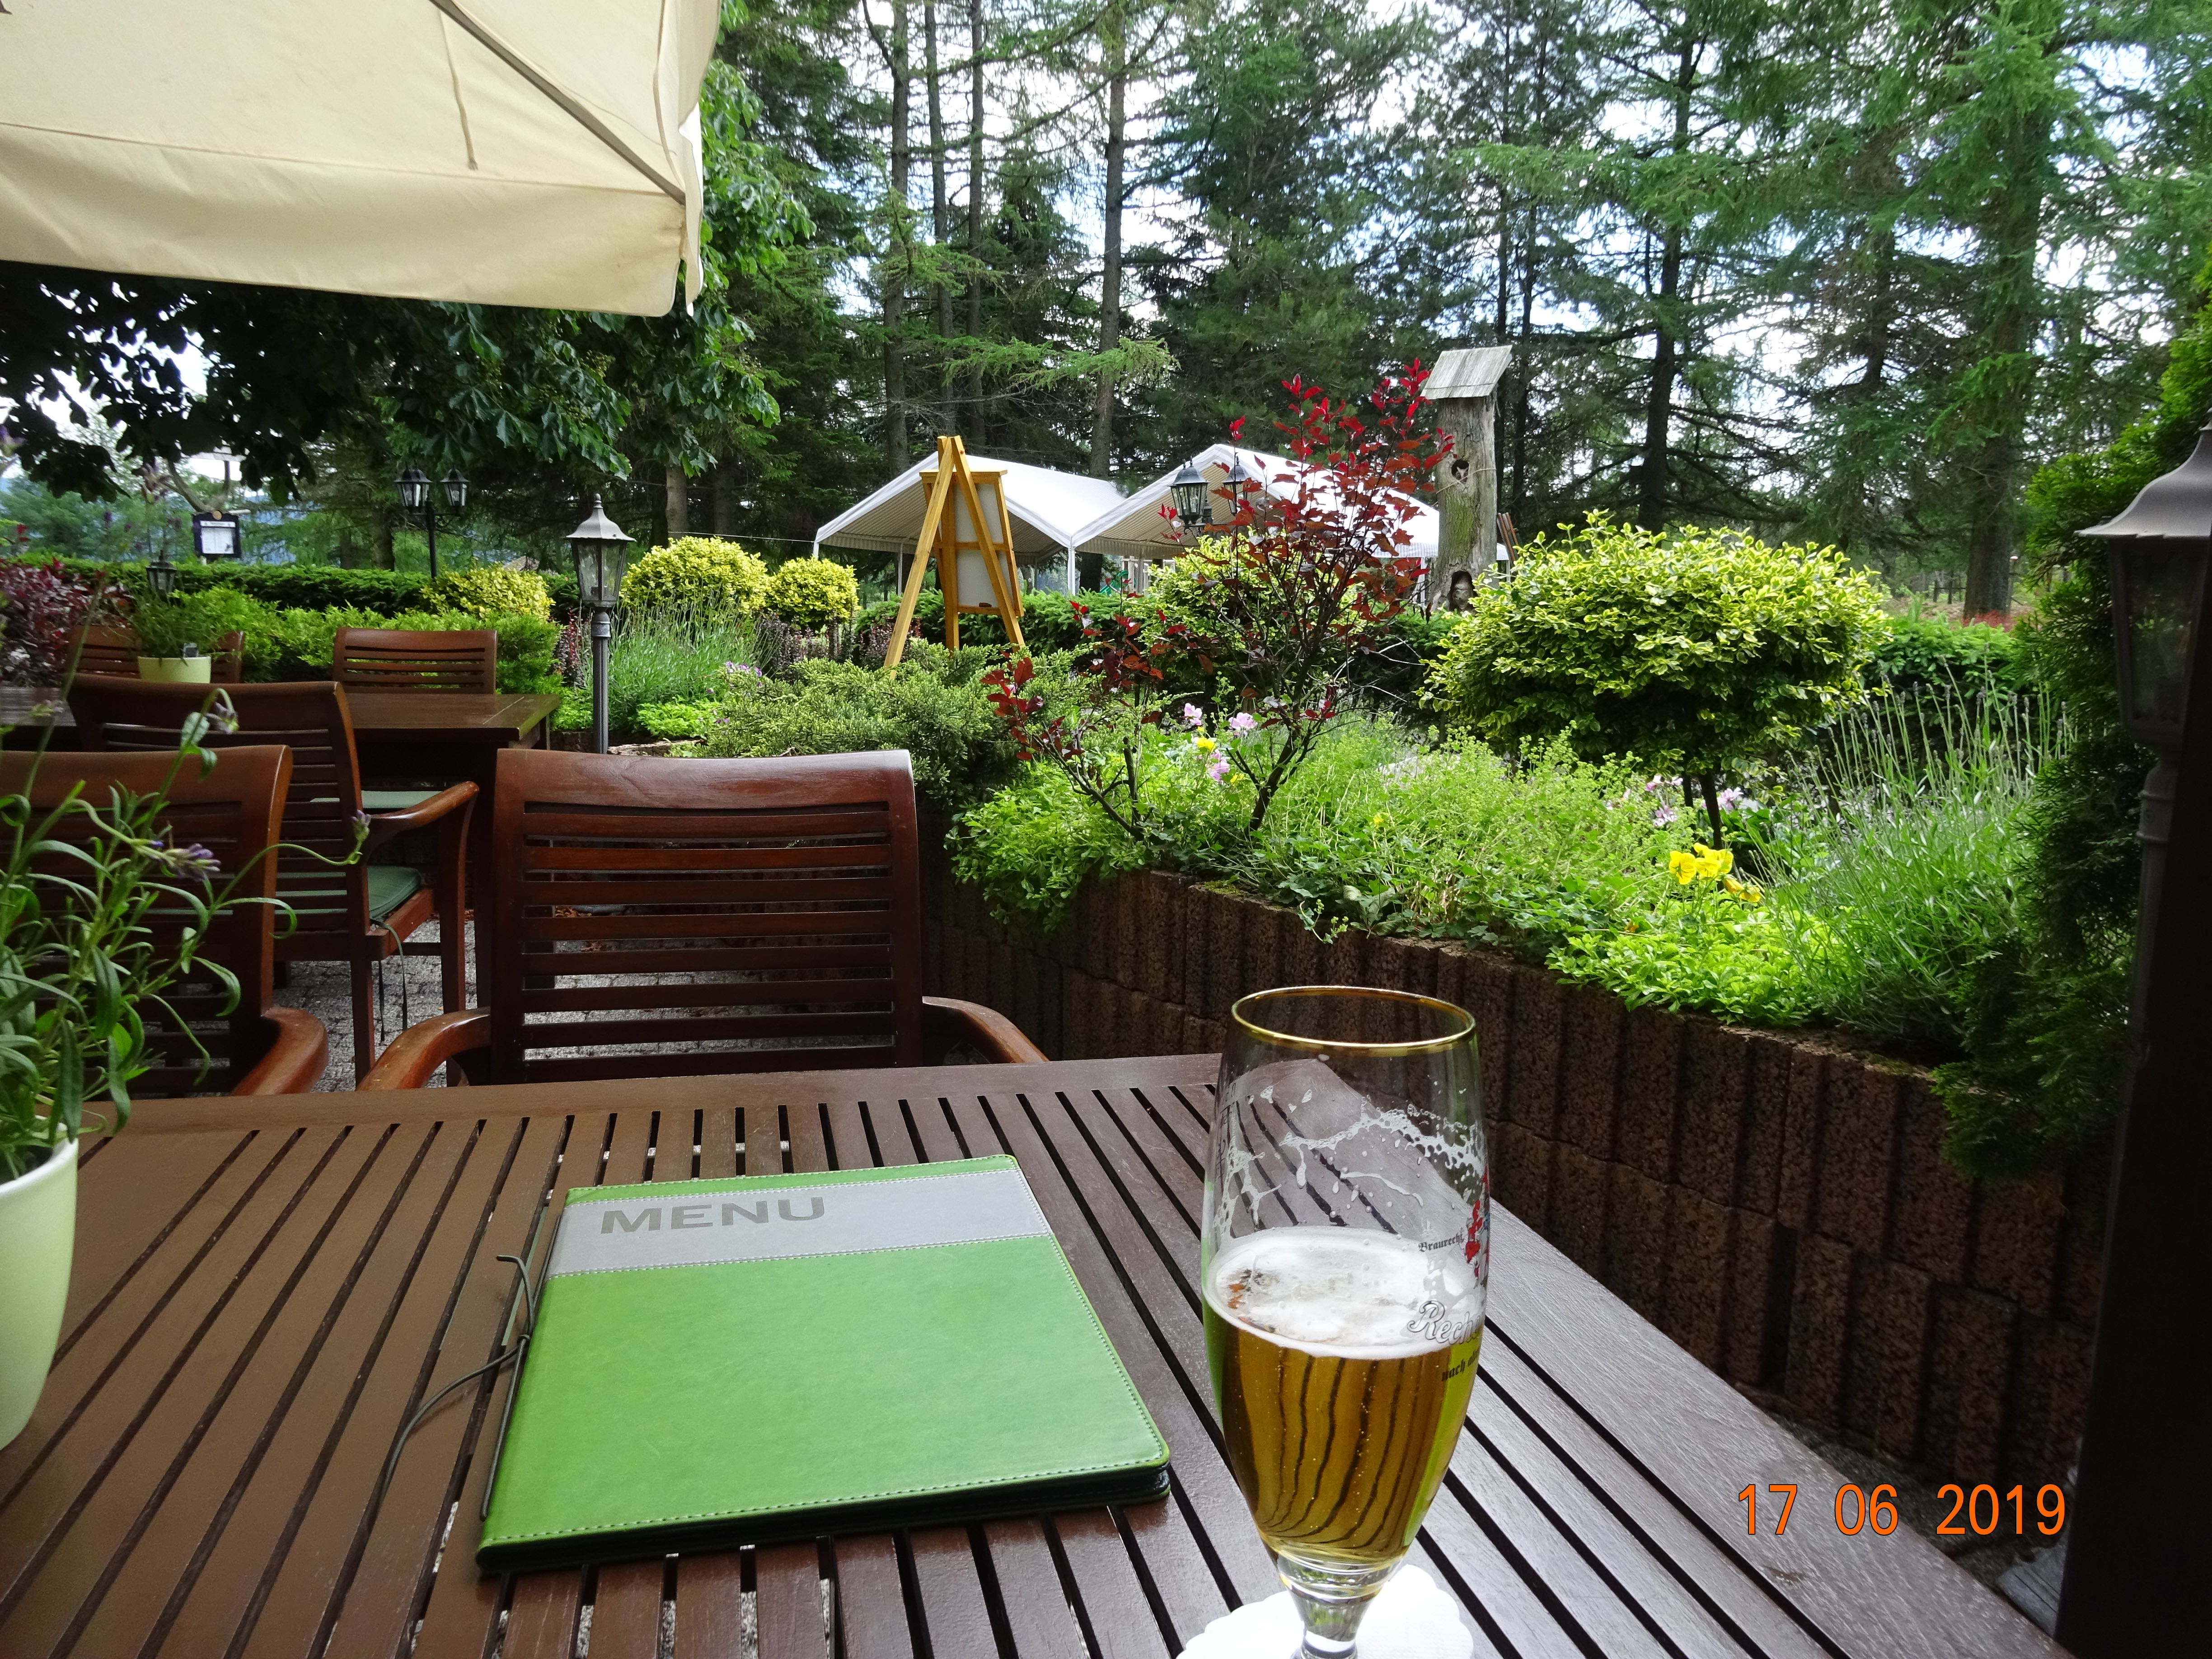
(265, 1291)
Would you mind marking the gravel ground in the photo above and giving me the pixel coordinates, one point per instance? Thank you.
(407, 994)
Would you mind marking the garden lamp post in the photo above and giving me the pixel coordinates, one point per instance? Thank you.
(2136, 1558)
(601, 551)
(415, 495)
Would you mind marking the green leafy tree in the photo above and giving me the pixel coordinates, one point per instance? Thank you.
(1707, 648)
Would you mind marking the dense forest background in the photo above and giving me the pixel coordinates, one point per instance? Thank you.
(1847, 270)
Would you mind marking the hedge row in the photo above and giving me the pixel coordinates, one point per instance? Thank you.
(319, 587)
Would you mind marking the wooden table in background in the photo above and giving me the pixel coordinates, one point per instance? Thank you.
(402, 738)
(266, 1290)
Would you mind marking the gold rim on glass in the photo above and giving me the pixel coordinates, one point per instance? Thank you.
(1425, 1045)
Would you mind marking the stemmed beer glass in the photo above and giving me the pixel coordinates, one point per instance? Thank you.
(1345, 1262)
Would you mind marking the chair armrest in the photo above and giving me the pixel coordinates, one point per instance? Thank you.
(417, 1051)
(946, 1022)
(298, 1053)
(384, 826)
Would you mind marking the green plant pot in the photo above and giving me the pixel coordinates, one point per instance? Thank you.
(177, 671)
(38, 1231)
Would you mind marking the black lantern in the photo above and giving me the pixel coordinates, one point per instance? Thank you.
(456, 490)
(160, 574)
(2157, 548)
(1188, 490)
(217, 536)
(601, 551)
(1239, 480)
(414, 490)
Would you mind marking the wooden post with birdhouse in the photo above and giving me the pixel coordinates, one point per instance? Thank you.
(966, 532)
(1463, 386)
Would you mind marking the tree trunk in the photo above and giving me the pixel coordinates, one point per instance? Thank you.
(1666, 325)
(1113, 39)
(940, 214)
(725, 498)
(2004, 376)
(679, 502)
(379, 539)
(974, 424)
(897, 259)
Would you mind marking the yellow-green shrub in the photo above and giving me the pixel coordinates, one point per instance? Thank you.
(490, 590)
(813, 593)
(703, 574)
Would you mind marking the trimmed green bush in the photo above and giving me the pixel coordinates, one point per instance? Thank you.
(490, 590)
(812, 593)
(1922, 654)
(1704, 646)
(702, 574)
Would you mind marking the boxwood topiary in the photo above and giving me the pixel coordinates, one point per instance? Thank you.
(703, 574)
(812, 593)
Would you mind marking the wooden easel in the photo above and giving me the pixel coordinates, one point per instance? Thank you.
(945, 535)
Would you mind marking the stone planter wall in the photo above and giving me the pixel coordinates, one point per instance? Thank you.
(1782, 1210)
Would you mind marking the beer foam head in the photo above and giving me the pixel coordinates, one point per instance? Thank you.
(1345, 1293)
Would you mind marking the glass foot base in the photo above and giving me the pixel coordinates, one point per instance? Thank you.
(1411, 1618)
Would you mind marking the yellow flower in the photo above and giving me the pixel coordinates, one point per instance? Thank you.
(1375, 822)
(1747, 890)
(1203, 746)
(1684, 866)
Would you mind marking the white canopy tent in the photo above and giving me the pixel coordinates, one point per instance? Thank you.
(509, 152)
(1047, 509)
(1134, 528)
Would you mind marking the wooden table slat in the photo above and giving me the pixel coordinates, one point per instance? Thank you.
(331, 1533)
(266, 1289)
(212, 1333)
(366, 1335)
(787, 1602)
(870, 1604)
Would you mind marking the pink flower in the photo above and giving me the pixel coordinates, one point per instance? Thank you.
(1193, 716)
(1241, 724)
(1218, 771)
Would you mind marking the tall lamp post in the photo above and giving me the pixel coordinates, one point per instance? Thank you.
(415, 495)
(2138, 1556)
(601, 551)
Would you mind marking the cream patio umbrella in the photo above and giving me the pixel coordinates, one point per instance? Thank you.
(511, 152)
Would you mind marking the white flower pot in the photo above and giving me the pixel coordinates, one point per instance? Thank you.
(38, 1231)
(178, 671)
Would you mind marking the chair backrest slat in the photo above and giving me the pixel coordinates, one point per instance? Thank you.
(309, 717)
(234, 811)
(415, 659)
(720, 915)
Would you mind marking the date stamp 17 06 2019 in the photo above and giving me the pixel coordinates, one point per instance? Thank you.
(1982, 1509)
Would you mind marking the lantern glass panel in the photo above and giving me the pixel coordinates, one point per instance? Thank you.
(414, 490)
(456, 490)
(2156, 585)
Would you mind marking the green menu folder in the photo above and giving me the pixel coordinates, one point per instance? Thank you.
(775, 1357)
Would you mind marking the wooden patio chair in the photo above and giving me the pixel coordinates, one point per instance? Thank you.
(235, 812)
(733, 916)
(113, 649)
(357, 913)
(415, 659)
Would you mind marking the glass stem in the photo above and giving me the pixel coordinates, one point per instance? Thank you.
(1331, 1598)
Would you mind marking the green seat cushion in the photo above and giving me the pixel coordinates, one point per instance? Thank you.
(393, 801)
(390, 886)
